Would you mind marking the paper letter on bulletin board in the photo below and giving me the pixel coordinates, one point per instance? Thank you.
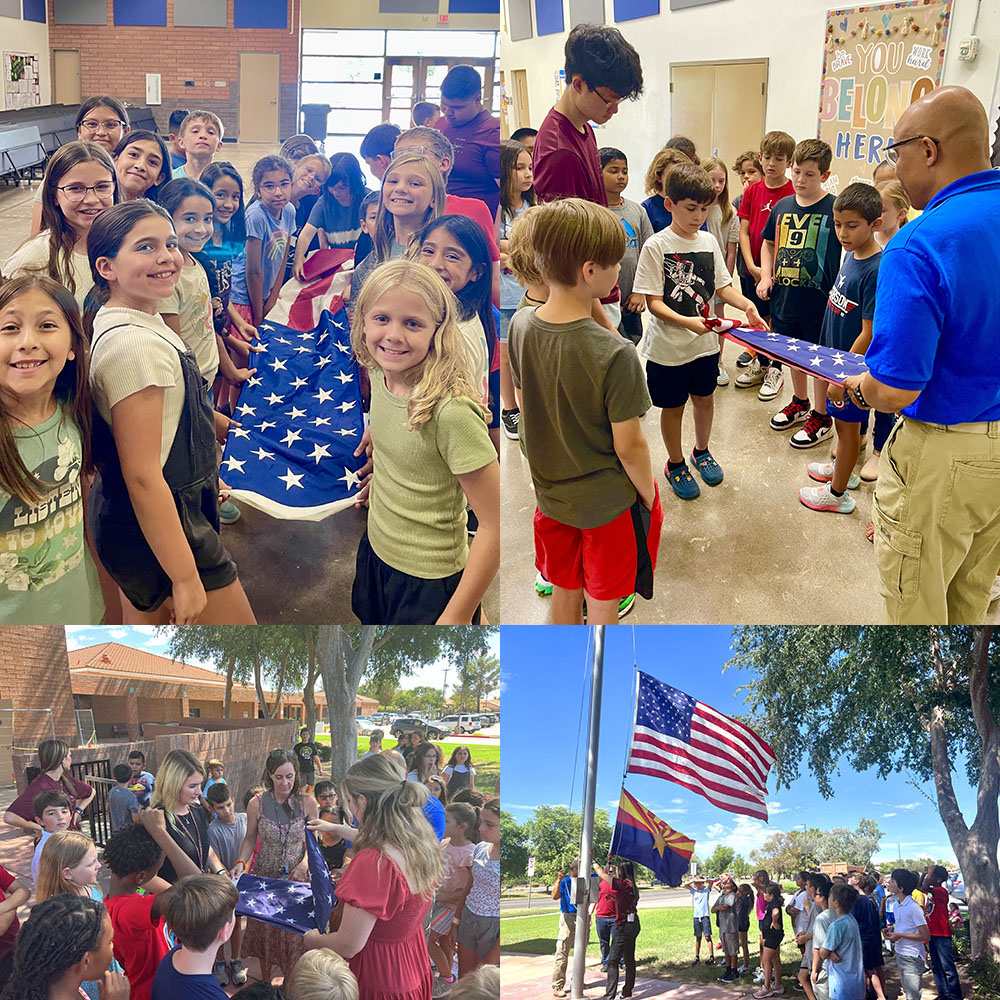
(877, 60)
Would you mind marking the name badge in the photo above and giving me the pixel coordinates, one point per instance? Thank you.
(630, 919)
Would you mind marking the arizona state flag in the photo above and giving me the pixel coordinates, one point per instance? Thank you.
(641, 836)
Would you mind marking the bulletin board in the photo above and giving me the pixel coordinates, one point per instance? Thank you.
(20, 80)
(877, 60)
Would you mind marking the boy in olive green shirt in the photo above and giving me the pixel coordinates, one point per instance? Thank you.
(582, 392)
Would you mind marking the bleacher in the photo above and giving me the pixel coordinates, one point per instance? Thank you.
(29, 136)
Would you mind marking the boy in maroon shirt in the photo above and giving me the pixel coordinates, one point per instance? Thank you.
(776, 150)
(602, 70)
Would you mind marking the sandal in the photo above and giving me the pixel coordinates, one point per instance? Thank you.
(870, 532)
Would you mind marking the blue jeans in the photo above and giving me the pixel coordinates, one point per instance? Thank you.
(911, 970)
(605, 925)
(943, 967)
(883, 424)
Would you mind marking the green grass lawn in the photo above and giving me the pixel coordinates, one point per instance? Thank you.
(486, 760)
(664, 950)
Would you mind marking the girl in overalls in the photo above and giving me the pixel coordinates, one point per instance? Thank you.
(154, 506)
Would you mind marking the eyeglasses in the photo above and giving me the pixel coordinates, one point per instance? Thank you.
(608, 105)
(77, 192)
(891, 153)
(93, 125)
(270, 187)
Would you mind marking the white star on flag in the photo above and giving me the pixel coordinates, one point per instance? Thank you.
(290, 480)
(261, 454)
(322, 361)
(321, 421)
(324, 395)
(234, 464)
(264, 424)
(247, 411)
(274, 399)
(277, 364)
(291, 437)
(320, 451)
(295, 413)
(351, 478)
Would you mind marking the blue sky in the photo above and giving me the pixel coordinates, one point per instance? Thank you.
(147, 637)
(542, 677)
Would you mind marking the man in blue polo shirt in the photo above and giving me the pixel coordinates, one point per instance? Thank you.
(563, 891)
(934, 355)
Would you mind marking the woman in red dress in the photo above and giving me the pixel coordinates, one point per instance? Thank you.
(388, 886)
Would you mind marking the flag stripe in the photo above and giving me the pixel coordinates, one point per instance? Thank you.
(713, 766)
(708, 741)
(677, 762)
(754, 744)
(721, 801)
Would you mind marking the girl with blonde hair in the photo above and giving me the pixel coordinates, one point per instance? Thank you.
(321, 974)
(69, 864)
(432, 450)
(656, 178)
(387, 889)
(178, 794)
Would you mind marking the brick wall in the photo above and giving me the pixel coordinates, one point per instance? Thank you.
(115, 60)
(118, 752)
(34, 673)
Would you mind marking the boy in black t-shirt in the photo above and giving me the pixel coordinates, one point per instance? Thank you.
(799, 260)
(847, 326)
(307, 754)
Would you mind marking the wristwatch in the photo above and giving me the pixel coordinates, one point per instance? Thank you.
(861, 401)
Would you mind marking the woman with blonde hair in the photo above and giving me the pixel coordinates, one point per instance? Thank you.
(387, 889)
(321, 974)
(54, 759)
(178, 794)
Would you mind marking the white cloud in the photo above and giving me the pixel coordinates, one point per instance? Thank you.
(676, 802)
(155, 640)
(744, 835)
(887, 815)
(774, 808)
(118, 632)
(910, 805)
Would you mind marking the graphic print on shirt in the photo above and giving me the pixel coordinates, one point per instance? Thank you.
(800, 249)
(277, 243)
(840, 304)
(41, 544)
(631, 237)
(688, 281)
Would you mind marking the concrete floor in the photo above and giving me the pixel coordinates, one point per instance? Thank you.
(292, 571)
(746, 551)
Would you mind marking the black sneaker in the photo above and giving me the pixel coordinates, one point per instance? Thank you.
(509, 420)
(743, 361)
(818, 427)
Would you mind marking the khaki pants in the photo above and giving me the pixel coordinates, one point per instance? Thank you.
(567, 928)
(937, 522)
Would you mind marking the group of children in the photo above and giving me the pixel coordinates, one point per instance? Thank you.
(581, 260)
(140, 296)
(167, 927)
(841, 926)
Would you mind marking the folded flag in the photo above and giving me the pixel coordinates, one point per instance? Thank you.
(295, 906)
(681, 739)
(813, 359)
(643, 837)
(293, 456)
(327, 275)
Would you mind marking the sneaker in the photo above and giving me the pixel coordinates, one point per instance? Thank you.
(753, 375)
(221, 973)
(229, 513)
(237, 973)
(821, 498)
(869, 471)
(727, 977)
(798, 987)
(817, 428)
(744, 360)
(742, 970)
(710, 961)
(822, 472)
(696, 961)
(790, 415)
(723, 376)
(708, 468)
(509, 419)
(758, 976)
(682, 482)
(542, 586)
(774, 382)
(624, 607)
(761, 994)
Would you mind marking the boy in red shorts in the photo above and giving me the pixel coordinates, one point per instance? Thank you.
(582, 393)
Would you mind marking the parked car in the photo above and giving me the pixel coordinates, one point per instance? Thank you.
(411, 724)
(460, 723)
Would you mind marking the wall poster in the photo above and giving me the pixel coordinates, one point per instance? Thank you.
(20, 80)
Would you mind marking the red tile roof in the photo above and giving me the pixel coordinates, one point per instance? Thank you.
(114, 659)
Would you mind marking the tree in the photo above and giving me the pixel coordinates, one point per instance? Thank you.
(554, 839)
(382, 654)
(478, 678)
(719, 860)
(917, 699)
(513, 850)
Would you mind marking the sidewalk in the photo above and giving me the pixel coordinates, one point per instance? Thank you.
(530, 976)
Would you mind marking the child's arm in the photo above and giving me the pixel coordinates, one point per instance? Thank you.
(229, 371)
(776, 918)
(241, 326)
(731, 257)
(600, 316)
(136, 424)
(658, 308)
(17, 895)
(837, 393)
(255, 279)
(752, 269)
(250, 837)
(173, 321)
(730, 296)
(155, 823)
(29, 826)
(766, 280)
(632, 450)
(482, 488)
(306, 235)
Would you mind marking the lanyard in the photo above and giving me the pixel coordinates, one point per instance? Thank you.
(194, 838)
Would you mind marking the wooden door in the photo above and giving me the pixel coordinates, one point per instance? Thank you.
(260, 81)
(738, 110)
(66, 76)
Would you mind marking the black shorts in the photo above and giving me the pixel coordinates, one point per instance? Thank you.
(749, 288)
(382, 595)
(670, 385)
(804, 324)
(773, 938)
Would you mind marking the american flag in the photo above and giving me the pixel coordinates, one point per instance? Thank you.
(821, 362)
(683, 740)
(294, 906)
(293, 457)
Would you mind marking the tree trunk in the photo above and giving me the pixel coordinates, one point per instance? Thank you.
(227, 705)
(279, 689)
(309, 691)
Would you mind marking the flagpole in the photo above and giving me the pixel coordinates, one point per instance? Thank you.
(582, 894)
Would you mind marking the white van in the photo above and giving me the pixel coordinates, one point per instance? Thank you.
(460, 723)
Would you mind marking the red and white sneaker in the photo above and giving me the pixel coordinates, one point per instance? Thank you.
(818, 427)
(790, 415)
